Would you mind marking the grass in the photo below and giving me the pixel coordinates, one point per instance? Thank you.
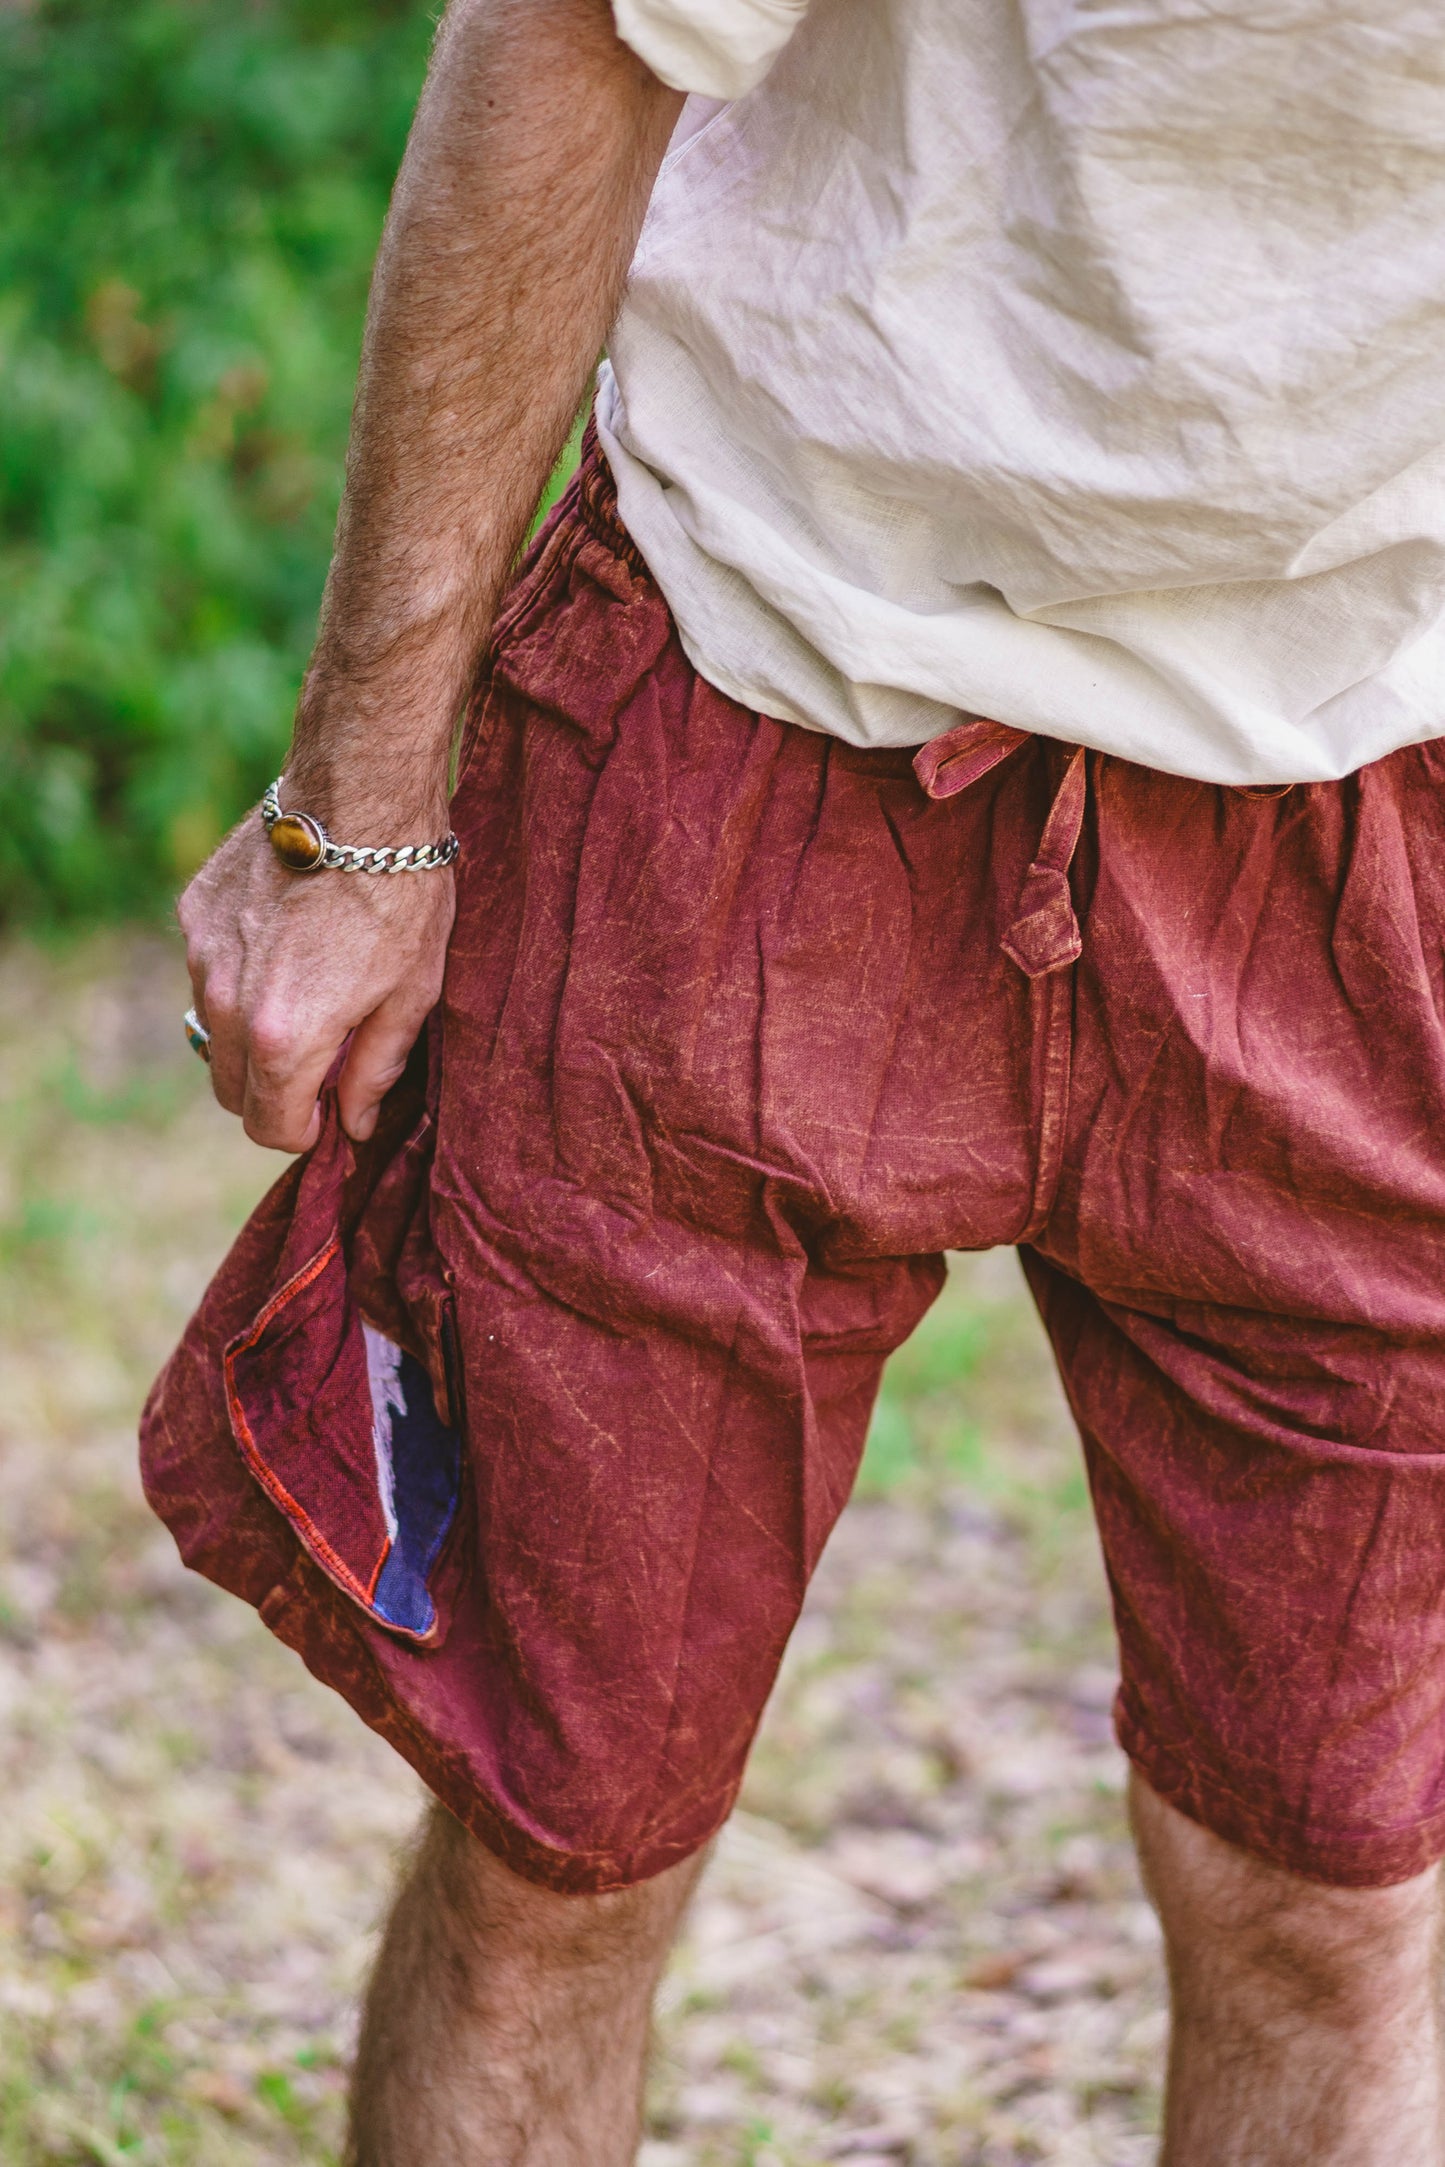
(962, 1402)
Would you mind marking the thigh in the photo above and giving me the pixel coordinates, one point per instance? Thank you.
(1242, 1279)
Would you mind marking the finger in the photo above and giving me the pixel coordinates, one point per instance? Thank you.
(217, 1013)
(215, 1008)
(286, 1065)
(377, 1057)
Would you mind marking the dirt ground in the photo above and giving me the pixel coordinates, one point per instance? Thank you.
(921, 1941)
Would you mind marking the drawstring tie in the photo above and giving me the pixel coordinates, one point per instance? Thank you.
(1044, 938)
(1044, 935)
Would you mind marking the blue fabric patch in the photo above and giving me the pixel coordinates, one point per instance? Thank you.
(426, 1481)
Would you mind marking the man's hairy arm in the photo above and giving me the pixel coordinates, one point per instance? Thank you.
(515, 214)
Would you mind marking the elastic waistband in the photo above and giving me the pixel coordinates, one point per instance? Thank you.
(596, 501)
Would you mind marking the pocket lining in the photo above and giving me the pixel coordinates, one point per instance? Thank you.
(315, 1543)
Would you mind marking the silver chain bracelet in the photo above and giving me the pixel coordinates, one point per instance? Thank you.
(303, 846)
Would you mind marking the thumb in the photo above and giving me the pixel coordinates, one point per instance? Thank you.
(377, 1055)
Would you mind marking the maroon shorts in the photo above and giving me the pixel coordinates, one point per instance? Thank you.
(526, 1423)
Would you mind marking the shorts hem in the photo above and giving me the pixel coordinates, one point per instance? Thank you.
(310, 1623)
(1349, 1859)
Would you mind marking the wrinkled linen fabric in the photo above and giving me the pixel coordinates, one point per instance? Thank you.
(694, 45)
(742, 1028)
(1080, 366)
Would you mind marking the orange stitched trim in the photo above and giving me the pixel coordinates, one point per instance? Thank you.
(296, 1284)
(269, 1480)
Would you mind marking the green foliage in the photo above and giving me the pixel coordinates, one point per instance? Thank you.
(193, 194)
(918, 1422)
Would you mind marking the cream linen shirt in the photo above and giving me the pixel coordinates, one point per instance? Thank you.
(1079, 363)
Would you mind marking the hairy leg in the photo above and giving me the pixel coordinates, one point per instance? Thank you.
(1306, 2019)
(507, 2026)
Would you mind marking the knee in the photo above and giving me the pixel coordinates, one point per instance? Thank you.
(1236, 1924)
(536, 1926)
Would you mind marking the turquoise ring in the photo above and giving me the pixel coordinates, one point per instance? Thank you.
(198, 1038)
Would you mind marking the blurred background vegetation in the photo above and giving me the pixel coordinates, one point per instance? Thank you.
(193, 193)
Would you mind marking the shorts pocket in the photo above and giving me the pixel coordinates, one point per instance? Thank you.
(340, 1425)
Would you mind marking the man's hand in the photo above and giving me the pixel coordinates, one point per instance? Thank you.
(285, 965)
(518, 205)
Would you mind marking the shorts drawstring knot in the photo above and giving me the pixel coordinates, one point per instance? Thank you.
(1044, 935)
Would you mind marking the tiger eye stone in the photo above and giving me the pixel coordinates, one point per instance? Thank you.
(297, 842)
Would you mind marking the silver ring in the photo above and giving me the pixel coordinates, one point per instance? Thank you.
(198, 1038)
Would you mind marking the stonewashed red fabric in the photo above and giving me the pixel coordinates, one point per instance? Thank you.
(526, 1423)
